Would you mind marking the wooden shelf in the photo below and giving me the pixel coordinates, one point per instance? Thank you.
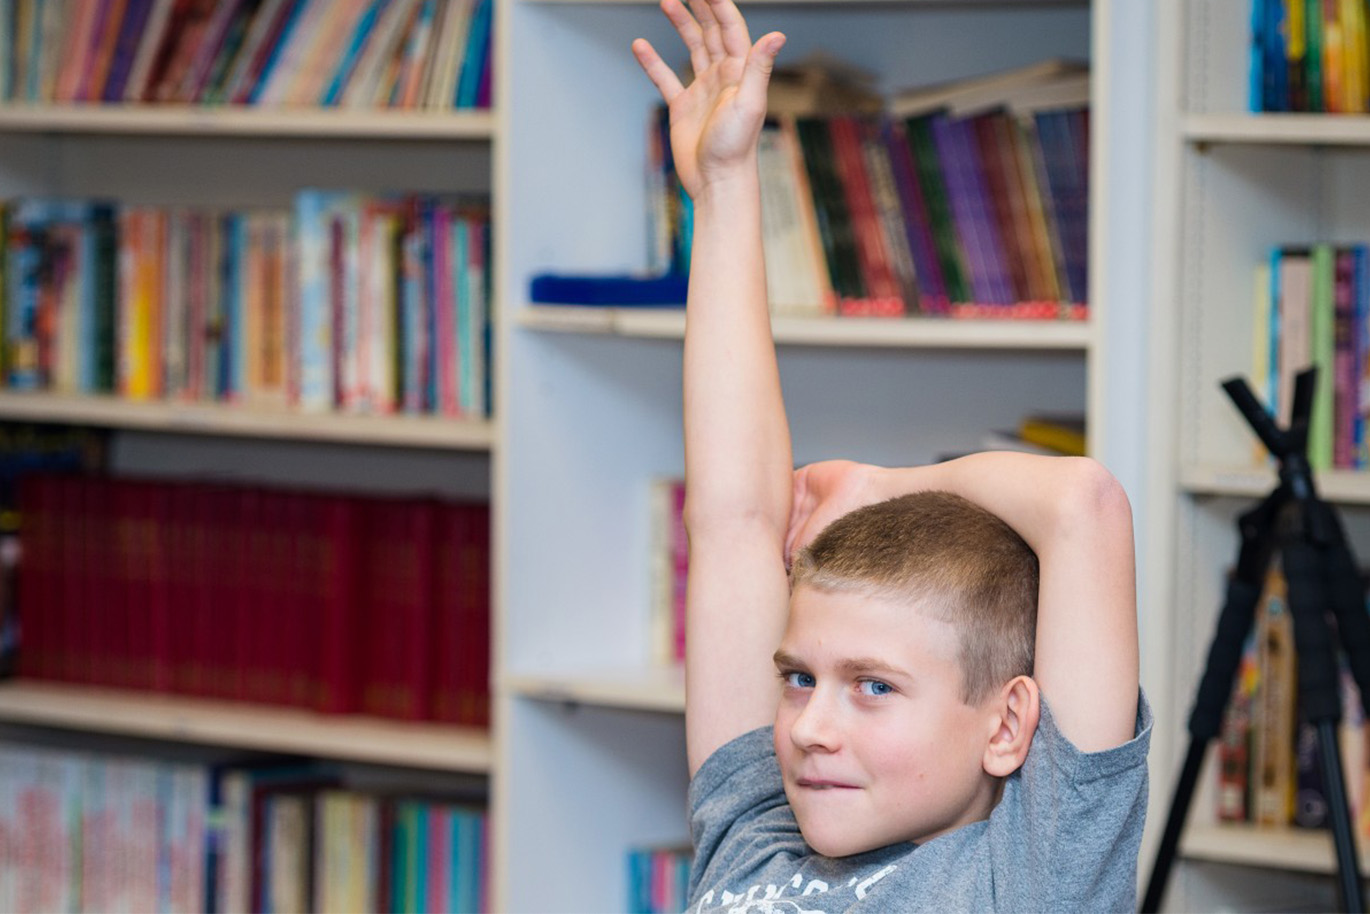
(247, 121)
(1341, 486)
(1305, 850)
(236, 421)
(246, 726)
(646, 689)
(1294, 129)
(907, 333)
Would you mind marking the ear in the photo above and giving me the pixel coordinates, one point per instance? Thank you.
(1016, 709)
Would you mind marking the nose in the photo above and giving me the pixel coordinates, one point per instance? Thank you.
(817, 726)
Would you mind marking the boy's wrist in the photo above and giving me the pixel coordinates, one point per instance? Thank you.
(727, 187)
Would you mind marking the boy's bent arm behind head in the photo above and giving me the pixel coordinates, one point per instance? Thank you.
(737, 444)
(1076, 517)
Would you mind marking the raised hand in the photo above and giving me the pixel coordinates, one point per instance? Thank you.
(715, 122)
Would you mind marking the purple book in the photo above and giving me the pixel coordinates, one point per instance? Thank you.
(932, 287)
(125, 48)
(959, 202)
(997, 275)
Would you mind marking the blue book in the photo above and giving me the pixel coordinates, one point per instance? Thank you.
(353, 50)
(619, 290)
(473, 61)
(281, 40)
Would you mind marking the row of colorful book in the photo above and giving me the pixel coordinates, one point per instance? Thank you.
(350, 302)
(337, 603)
(90, 832)
(1269, 768)
(959, 202)
(410, 54)
(1311, 306)
(658, 879)
(1309, 55)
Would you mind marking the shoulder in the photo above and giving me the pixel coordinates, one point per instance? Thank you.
(1068, 830)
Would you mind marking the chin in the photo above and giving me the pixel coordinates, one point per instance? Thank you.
(837, 845)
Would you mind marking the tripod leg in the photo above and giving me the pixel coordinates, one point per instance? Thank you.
(1215, 688)
(1310, 601)
(1174, 824)
(1349, 885)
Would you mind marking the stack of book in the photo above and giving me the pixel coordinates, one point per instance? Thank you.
(1311, 306)
(352, 302)
(1269, 767)
(1309, 55)
(967, 199)
(409, 54)
(658, 879)
(90, 832)
(340, 604)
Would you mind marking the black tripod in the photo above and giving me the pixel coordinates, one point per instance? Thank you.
(1322, 579)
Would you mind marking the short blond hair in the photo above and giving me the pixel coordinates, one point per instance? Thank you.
(947, 557)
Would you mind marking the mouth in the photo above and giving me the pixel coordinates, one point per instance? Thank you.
(821, 784)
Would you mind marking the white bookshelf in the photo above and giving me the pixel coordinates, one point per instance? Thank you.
(1231, 185)
(239, 725)
(193, 418)
(592, 408)
(897, 333)
(225, 121)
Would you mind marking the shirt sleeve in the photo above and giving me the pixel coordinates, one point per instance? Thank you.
(1066, 835)
(738, 811)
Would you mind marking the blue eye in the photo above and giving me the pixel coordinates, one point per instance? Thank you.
(796, 680)
(875, 688)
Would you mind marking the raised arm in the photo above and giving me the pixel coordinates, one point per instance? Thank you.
(1076, 517)
(737, 445)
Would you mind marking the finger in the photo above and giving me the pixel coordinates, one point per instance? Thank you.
(756, 74)
(732, 27)
(689, 31)
(662, 76)
(713, 38)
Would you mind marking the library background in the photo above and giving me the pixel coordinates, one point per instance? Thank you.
(340, 443)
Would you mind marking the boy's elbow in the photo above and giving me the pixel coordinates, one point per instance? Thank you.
(1092, 495)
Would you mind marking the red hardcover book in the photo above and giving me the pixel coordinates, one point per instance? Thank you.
(255, 634)
(225, 568)
(461, 626)
(332, 572)
(156, 534)
(205, 625)
(105, 599)
(397, 596)
(38, 536)
(181, 587)
(69, 572)
(299, 626)
(63, 585)
(125, 641)
(883, 293)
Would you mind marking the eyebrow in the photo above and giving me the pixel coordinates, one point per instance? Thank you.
(851, 666)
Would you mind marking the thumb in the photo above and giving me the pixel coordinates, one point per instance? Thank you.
(756, 74)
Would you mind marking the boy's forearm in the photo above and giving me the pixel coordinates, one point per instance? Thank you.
(1076, 517)
(737, 444)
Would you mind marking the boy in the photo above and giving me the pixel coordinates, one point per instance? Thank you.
(951, 730)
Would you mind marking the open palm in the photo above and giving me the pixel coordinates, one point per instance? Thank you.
(715, 121)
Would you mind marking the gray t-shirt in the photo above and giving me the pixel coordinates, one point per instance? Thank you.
(1064, 837)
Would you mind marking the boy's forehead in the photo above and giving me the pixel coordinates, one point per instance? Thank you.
(863, 625)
